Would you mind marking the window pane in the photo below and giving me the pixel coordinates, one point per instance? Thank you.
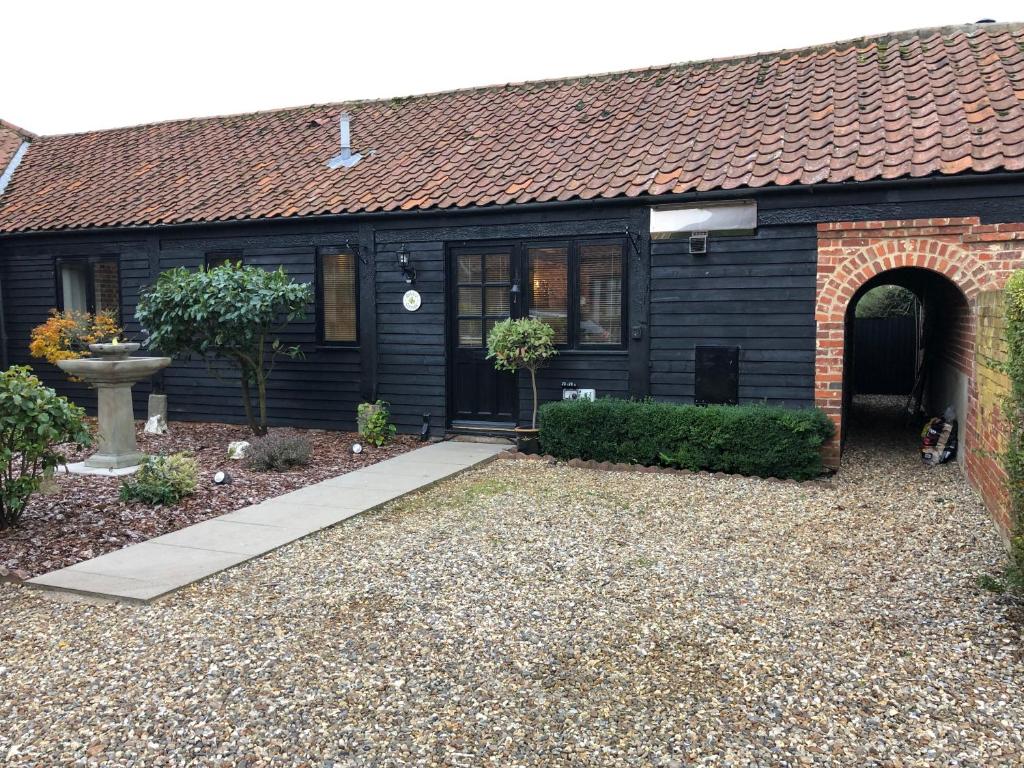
(105, 286)
(74, 287)
(216, 259)
(469, 301)
(469, 268)
(469, 333)
(549, 289)
(338, 278)
(497, 268)
(497, 301)
(601, 294)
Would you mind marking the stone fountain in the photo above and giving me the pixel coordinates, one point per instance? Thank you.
(112, 372)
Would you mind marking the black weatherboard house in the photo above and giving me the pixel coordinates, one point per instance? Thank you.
(669, 223)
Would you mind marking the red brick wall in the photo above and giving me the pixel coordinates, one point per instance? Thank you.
(975, 257)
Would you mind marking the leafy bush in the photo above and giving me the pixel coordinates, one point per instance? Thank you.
(277, 452)
(747, 439)
(231, 313)
(162, 480)
(887, 301)
(1013, 459)
(34, 422)
(67, 335)
(374, 424)
(527, 343)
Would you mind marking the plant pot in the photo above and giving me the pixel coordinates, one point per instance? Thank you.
(528, 440)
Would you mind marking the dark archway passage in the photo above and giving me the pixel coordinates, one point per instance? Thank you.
(928, 364)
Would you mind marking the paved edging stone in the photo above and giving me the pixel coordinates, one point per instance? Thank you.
(158, 567)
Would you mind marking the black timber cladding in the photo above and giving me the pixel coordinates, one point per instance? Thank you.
(756, 293)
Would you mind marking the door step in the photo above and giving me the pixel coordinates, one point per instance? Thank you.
(483, 430)
(488, 439)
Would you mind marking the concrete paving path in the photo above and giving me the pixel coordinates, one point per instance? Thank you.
(155, 568)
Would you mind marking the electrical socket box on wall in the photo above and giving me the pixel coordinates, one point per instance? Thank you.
(579, 394)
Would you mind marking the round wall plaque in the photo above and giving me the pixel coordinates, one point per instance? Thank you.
(411, 300)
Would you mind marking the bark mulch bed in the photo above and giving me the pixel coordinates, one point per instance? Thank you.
(84, 518)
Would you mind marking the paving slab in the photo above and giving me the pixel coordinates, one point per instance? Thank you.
(155, 568)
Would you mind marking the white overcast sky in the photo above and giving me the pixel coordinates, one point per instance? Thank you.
(75, 66)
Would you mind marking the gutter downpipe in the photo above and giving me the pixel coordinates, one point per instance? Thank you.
(5, 179)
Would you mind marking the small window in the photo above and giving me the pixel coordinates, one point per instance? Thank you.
(216, 259)
(728, 218)
(549, 289)
(89, 285)
(338, 309)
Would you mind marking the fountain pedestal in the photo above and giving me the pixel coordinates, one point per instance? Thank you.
(112, 372)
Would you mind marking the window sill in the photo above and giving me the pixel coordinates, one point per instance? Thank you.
(327, 347)
(617, 352)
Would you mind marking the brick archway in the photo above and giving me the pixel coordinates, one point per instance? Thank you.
(972, 256)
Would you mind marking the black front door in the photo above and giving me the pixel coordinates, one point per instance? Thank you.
(482, 280)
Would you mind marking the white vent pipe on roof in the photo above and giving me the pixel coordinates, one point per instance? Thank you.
(346, 158)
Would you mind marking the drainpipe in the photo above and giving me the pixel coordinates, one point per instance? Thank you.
(3, 330)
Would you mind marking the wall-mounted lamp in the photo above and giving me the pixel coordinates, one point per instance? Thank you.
(405, 264)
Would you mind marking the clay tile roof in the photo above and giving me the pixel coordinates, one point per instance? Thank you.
(921, 103)
(11, 138)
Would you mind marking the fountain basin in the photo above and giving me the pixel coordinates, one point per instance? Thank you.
(112, 373)
(113, 370)
(114, 350)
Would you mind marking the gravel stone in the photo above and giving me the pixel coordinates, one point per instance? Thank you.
(534, 615)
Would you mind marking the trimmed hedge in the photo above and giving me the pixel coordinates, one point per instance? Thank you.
(765, 441)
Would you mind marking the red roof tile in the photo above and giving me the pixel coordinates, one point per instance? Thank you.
(901, 105)
(11, 137)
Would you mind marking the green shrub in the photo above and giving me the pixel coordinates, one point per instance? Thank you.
(34, 422)
(374, 425)
(1013, 459)
(748, 439)
(162, 480)
(277, 452)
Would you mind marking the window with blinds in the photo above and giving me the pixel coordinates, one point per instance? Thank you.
(600, 319)
(549, 289)
(577, 288)
(338, 310)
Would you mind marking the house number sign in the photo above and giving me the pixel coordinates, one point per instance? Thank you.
(411, 300)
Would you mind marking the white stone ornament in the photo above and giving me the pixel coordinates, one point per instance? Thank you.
(357, 448)
(237, 449)
(156, 425)
(412, 300)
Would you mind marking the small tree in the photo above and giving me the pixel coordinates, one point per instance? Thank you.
(67, 335)
(34, 422)
(522, 344)
(231, 313)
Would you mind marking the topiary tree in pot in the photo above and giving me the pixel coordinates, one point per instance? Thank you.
(525, 344)
(231, 313)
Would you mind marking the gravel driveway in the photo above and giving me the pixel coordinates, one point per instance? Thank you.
(534, 615)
